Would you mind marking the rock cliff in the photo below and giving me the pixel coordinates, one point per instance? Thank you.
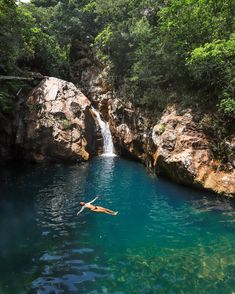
(173, 145)
(58, 124)
(182, 152)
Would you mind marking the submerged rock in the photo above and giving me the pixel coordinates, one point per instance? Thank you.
(58, 124)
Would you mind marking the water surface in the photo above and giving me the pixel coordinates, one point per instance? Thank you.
(165, 239)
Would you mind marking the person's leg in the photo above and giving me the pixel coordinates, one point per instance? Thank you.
(105, 210)
(108, 211)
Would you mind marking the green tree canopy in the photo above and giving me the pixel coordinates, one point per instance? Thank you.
(151, 46)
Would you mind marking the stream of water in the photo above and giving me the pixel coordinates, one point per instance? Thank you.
(108, 147)
(165, 239)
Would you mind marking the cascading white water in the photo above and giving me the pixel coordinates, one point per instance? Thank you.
(108, 148)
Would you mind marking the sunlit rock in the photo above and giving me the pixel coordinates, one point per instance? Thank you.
(174, 147)
(183, 154)
(58, 124)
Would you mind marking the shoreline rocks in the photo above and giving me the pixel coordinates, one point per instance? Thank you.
(183, 154)
(56, 123)
(174, 147)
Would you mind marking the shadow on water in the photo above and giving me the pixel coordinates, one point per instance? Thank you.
(165, 239)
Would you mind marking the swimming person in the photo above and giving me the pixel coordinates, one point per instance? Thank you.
(96, 208)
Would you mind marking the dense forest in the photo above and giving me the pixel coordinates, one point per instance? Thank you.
(157, 51)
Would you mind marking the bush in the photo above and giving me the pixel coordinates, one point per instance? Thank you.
(212, 65)
(227, 106)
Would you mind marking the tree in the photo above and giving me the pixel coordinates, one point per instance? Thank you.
(9, 35)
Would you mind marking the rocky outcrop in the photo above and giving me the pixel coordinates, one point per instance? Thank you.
(95, 84)
(58, 124)
(182, 152)
(174, 147)
(130, 129)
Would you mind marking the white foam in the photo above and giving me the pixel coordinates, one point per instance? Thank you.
(108, 148)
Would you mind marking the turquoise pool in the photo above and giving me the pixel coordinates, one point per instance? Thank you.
(165, 239)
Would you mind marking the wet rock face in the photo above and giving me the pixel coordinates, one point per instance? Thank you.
(58, 124)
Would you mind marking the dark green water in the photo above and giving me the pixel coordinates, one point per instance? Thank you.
(165, 239)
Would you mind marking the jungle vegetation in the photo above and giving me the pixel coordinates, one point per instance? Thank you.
(156, 49)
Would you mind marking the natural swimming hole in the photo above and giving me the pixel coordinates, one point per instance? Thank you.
(165, 239)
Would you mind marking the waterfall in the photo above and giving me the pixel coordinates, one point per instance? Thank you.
(108, 148)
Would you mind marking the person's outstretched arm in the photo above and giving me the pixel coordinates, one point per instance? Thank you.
(93, 200)
(81, 210)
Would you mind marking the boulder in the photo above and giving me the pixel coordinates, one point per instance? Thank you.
(58, 124)
(182, 152)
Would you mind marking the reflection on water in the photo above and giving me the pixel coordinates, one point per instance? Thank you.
(103, 177)
(165, 239)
